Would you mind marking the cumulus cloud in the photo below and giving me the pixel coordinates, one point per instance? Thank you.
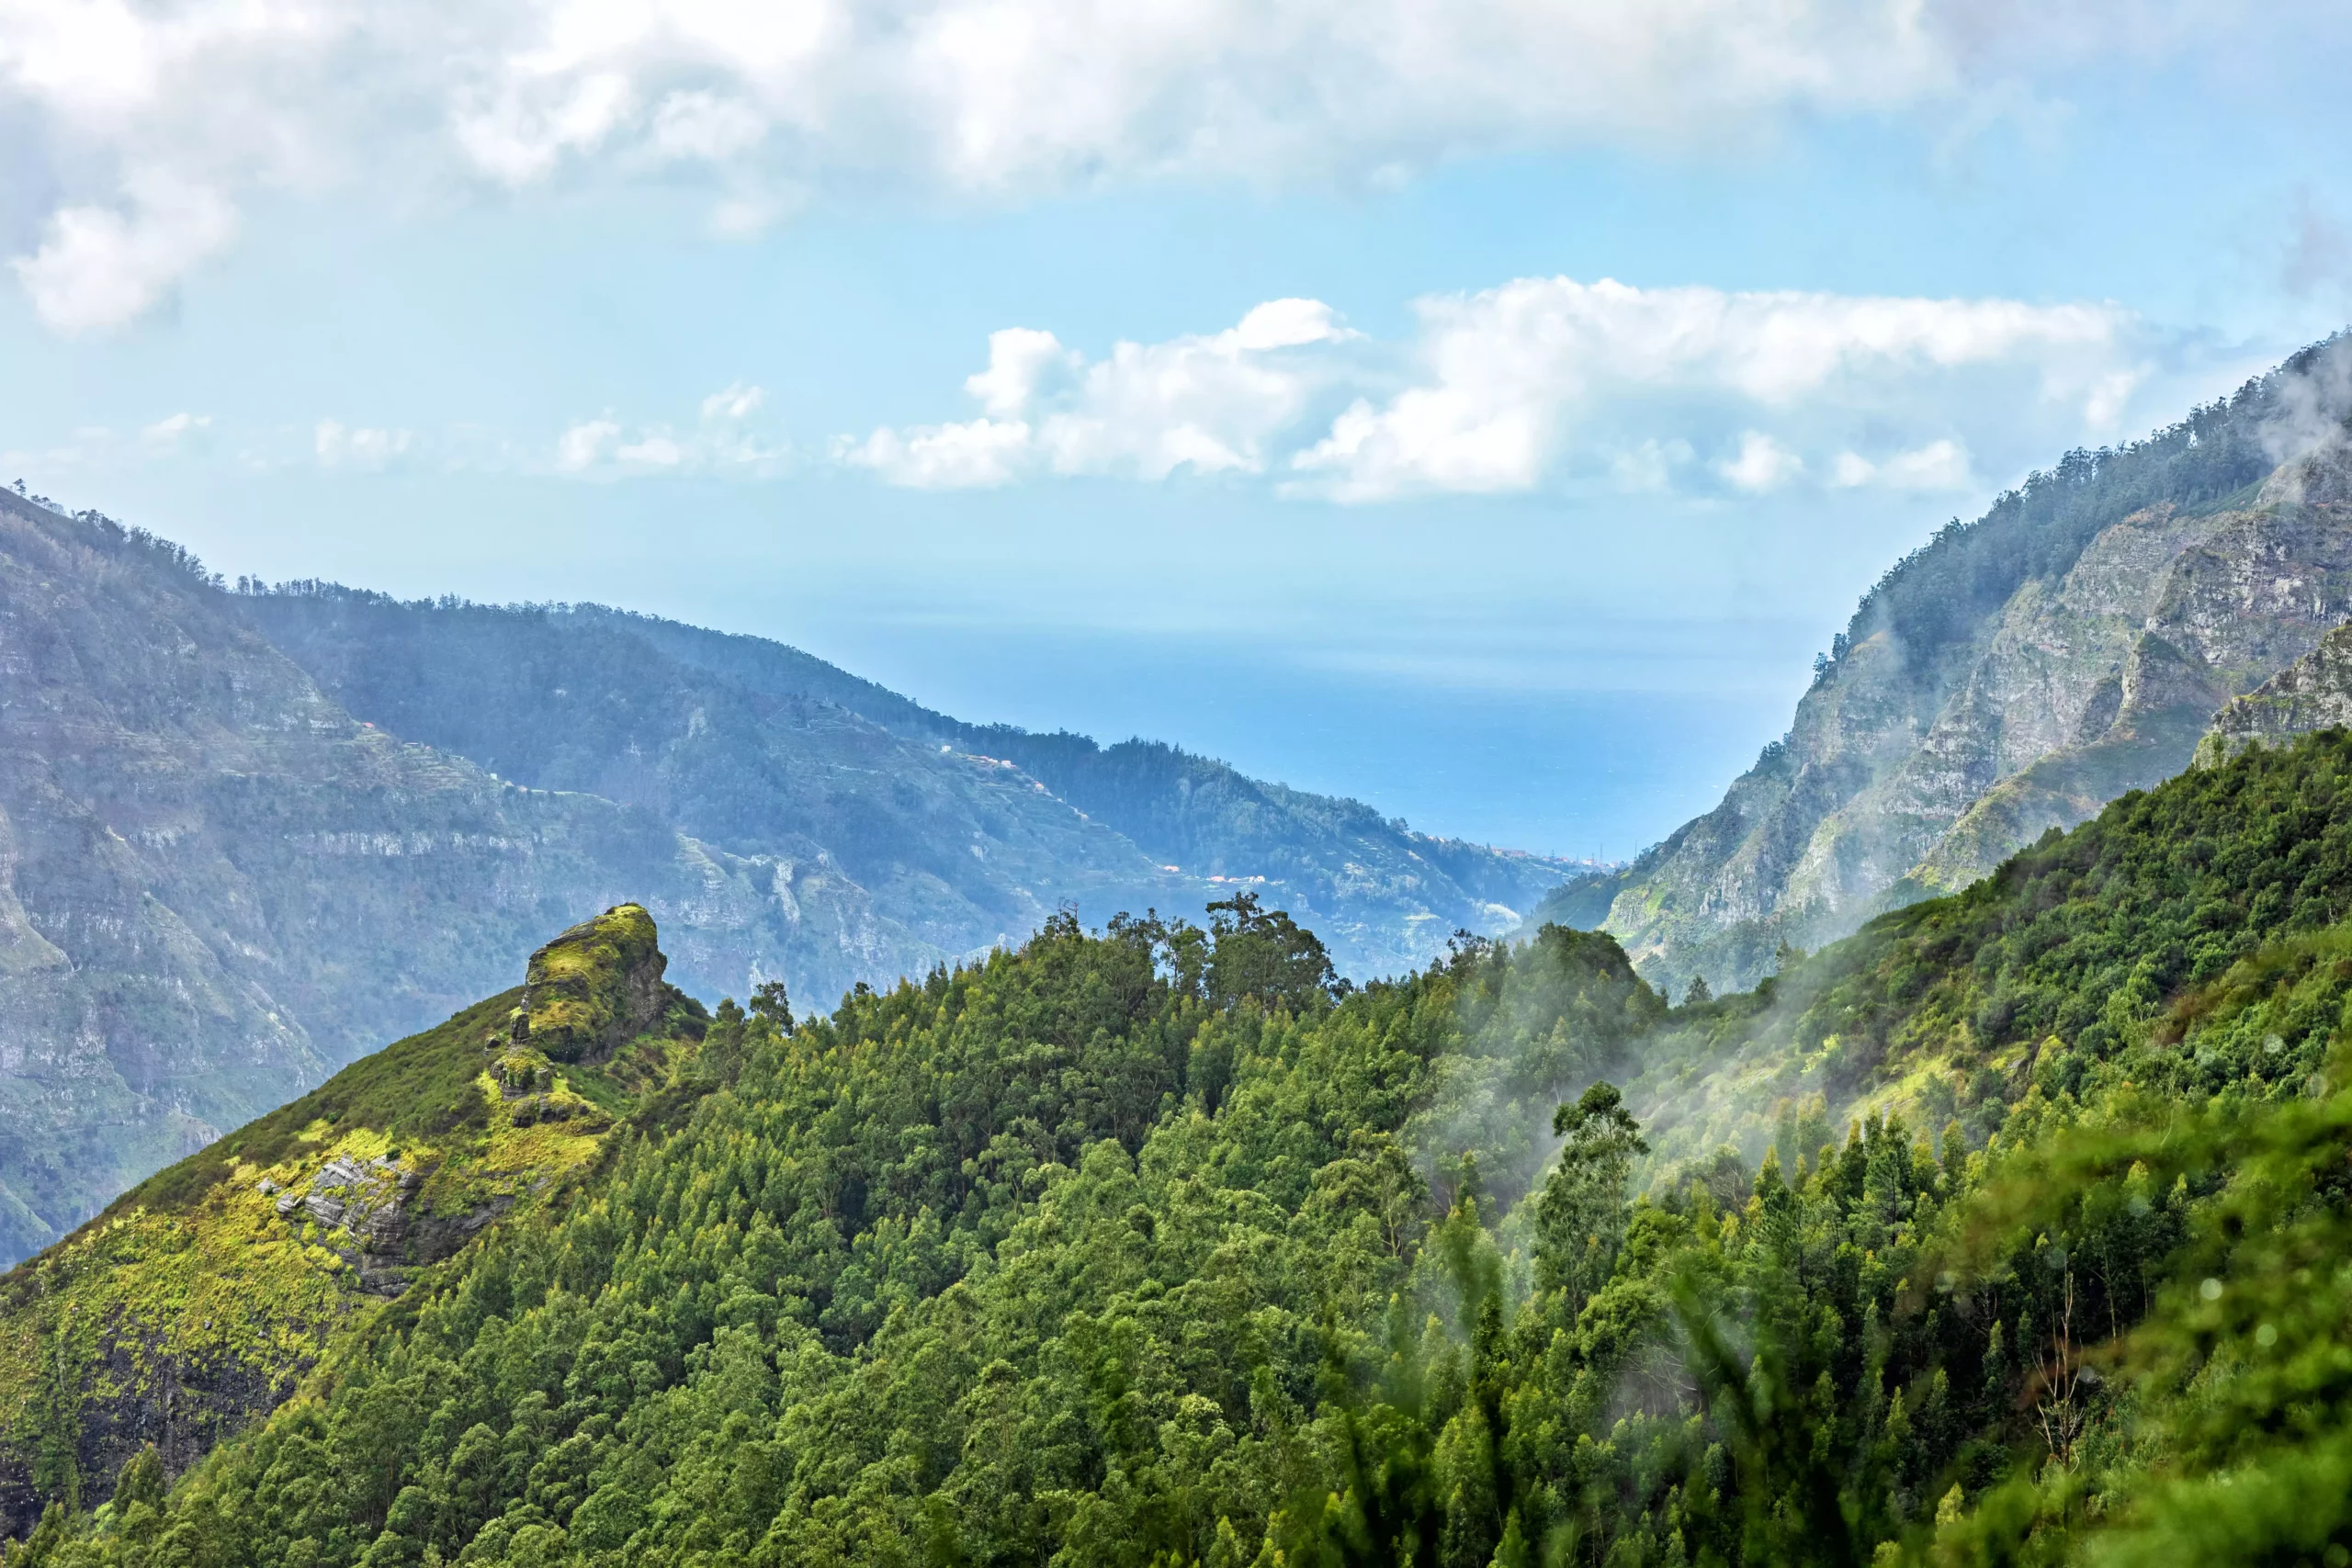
(584, 444)
(102, 266)
(1211, 403)
(976, 454)
(1513, 382)
(1938, 464)
(1547, 381)
(739, 402)
(1761, 464)
(116, 102)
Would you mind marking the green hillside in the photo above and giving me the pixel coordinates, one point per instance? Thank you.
(200, 1297)
(1162, 1246)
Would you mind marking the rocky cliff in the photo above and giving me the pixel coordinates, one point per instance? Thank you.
(2313, 693)
(2013, 675)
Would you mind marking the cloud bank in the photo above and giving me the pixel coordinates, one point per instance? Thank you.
(151, 121)
(1548, 382)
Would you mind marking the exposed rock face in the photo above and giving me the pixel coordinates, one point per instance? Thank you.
(2013, 676)
(593, 987)
(2313, 693)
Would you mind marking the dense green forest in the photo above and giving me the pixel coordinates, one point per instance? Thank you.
(1162, 1246)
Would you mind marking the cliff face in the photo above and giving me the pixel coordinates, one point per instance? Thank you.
(2313, 693)
(2015, 675)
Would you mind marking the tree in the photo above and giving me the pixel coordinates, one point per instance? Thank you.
(768, 1002)
(1580, 1219)
(1265, 956)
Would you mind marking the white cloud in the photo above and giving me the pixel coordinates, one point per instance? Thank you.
(1022, 361)
(976, 455)
(1761, 464)
(1938, 464)
(103, 265)
(723, 443)
(172, 432)
(1212, 403)
(337, 445)
(1550, 381)
(656, 449)
(770, 99)
(739, 402)
(1515, 383)
(584, 444)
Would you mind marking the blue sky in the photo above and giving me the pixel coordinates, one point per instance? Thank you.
(1484, 409)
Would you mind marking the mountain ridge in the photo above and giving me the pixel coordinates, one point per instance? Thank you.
(2013, 674)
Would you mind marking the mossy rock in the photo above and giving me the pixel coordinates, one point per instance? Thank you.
(596, 988)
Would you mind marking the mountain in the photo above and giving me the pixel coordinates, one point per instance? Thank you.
(764, 749)
(226, 872)
(2014, 674)
(1154, 1246)
(219, 885)
(1379, 892)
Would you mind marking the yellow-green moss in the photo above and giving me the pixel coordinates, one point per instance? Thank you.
(593, 987)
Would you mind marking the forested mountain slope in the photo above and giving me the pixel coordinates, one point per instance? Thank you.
(757, 747)
(960, 850)
(1155, 1247)
(2015, 674)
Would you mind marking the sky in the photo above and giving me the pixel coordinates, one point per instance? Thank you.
(1483, 408)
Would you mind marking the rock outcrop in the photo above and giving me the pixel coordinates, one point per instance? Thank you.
(593, 987)
(2313, 693)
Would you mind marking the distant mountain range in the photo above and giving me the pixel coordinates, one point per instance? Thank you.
(246, 836)
(2013, 675)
